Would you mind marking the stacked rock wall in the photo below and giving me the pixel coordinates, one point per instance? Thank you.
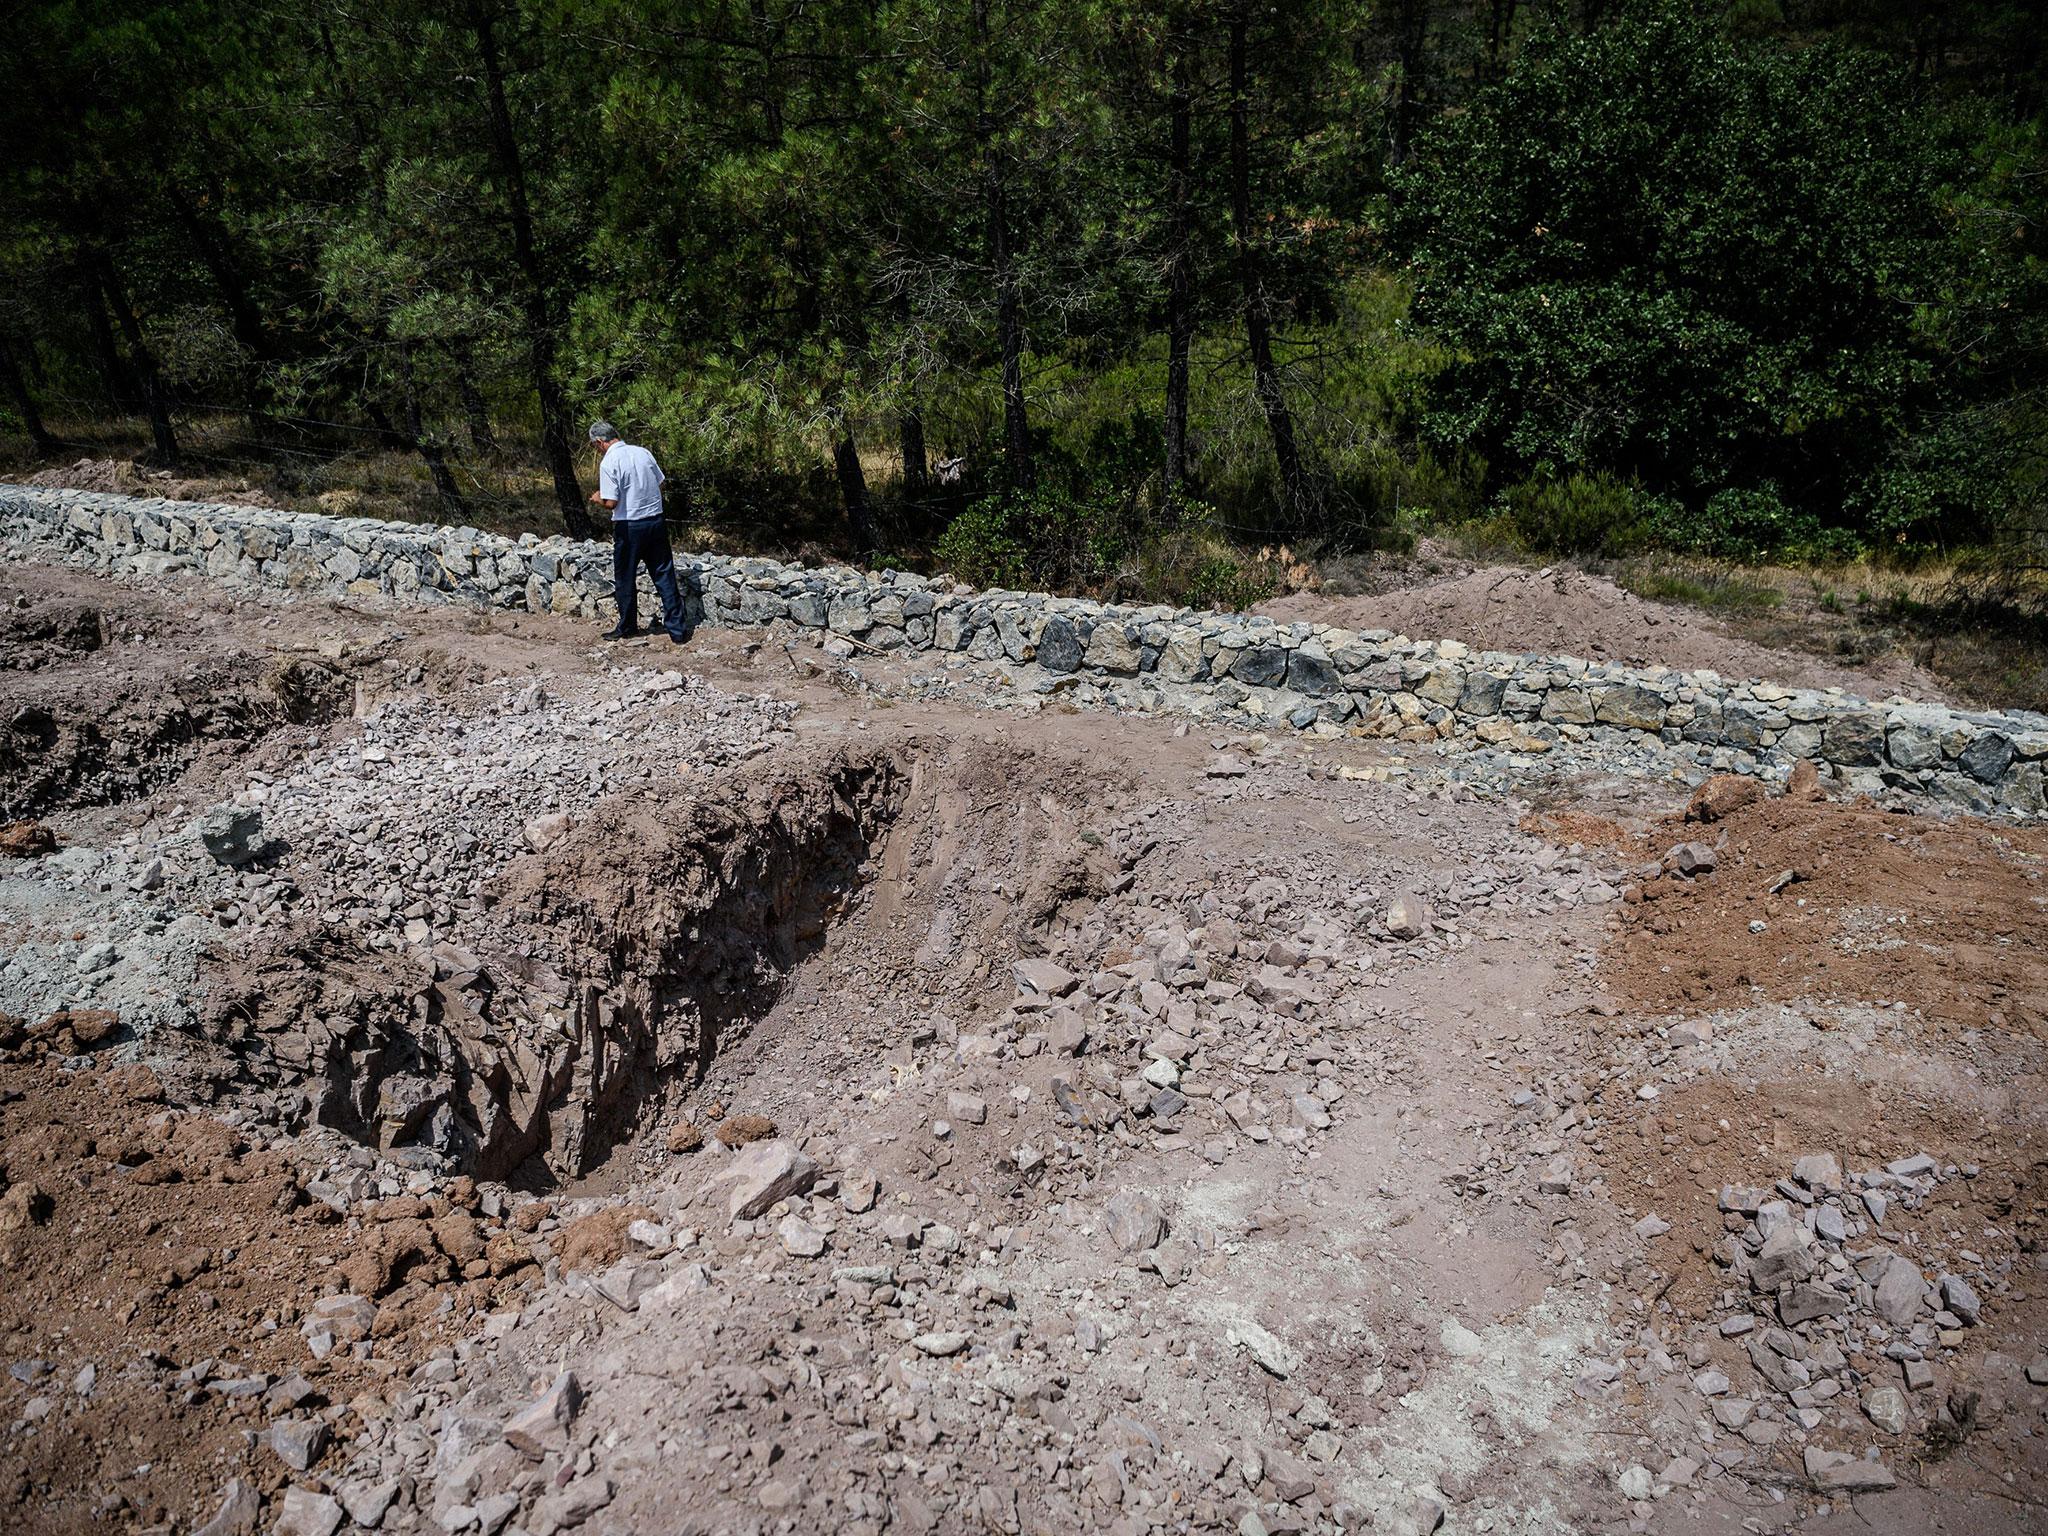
(1308, 677)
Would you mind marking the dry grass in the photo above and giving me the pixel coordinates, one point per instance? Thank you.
(1986, 639)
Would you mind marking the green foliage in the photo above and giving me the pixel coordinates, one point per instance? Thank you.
(1647, 277)
(985, 546)
(1701, 586)
(1578, 514)
(1699, 264)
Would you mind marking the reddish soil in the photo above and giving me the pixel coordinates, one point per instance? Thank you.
(1947, 917)
(165, 1252)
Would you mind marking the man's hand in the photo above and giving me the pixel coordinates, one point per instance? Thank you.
(597, 495)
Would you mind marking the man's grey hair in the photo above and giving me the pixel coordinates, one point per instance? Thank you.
(603, 432)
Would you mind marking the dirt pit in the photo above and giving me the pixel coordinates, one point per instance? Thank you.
(567, 1090)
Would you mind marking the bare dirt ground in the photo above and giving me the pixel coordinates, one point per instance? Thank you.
(1562, 611)
(455, 1077)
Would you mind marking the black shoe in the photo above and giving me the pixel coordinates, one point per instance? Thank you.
(620, 634)
(682, 636)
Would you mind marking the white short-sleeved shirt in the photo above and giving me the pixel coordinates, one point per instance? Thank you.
(629, 476)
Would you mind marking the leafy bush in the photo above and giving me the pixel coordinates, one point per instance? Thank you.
(1577, 514)
(1688, 262)
(981, 547)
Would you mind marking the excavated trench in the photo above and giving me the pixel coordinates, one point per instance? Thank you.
(652, 941)
(82, 725)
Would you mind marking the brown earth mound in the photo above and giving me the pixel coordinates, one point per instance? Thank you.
(1571, 613)
(1946, 917)
(123, 477)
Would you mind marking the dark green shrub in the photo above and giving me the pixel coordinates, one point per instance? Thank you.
(1577, 514)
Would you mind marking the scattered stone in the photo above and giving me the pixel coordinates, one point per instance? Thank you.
(1898, 1293)
(567, 1508)
(306, 1513)
(367, 1504)
(240, 1508)
(233, 835)
(1721, 795)
(543, 832)
(1044, 978)
(1819, 1171)
(743, 1130)
(298, 1442)
(966, 1108)
(1407, 916)
(1837, 1472)
(1957, 1296)
(542, 1427)
(765, 1172)
(1886, 1408)
(941, 1344)
(1134, 1221)
(1269, 1352)
(859, 1190)
(800, 1238)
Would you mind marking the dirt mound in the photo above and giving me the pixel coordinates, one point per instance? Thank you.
(1571, 613)
(1860, 919)
(123, 477)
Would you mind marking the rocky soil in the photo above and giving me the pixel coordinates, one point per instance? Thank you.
(458, 1078)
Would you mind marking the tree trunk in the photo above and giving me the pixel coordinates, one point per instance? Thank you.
(481, 437)
(1258, 318)
(1180, 316)
(1411, 31)
(153, 392)
(219, 262)
(380, 419)
(428, 449)
(540, 319)
(917, 470)
(1500, 34)
(115, 378)
(1009, 304)
(25, 403)
(853, 489)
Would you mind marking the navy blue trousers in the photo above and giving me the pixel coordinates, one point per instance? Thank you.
(645, 541)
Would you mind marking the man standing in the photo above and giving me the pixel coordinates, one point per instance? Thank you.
(629, 484)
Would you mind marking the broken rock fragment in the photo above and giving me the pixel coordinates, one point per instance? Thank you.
(298, 1442)
(1899, 1291)
(1839, 1472)
(306, 1513)
(1044, 977)
(240, 1506)
(233, 834)
(543, 1425)
(1134, 1221)
(765, 1172)
(1407, 916)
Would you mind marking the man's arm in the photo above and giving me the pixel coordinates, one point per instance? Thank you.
(607, 493)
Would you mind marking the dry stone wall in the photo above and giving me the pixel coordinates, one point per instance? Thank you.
(1307, 677)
